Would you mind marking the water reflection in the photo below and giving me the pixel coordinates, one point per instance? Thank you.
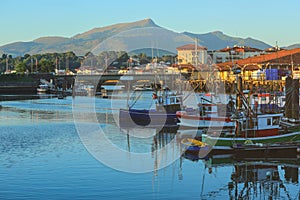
(230, 176)
(39, 154)
(17, 116)
(248, 178)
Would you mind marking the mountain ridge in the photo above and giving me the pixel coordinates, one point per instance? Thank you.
(118, 27)
(82, 43)
(218, 40)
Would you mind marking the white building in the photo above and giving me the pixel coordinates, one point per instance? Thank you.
(235, 53)
(192, 54)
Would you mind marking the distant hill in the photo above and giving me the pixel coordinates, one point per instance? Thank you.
(85, 42)
(218, 40)
(293, 46)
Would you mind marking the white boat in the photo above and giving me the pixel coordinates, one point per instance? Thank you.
(144, 87)
(43, 88)
(208, 114)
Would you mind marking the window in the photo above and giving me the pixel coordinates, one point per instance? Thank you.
(275, 120)
(269, 122)
(172, 100)
(208, 108)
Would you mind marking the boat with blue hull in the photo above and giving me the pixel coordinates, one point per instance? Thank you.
(164, 113)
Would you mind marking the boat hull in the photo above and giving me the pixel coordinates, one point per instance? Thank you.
(42, 90)
(134, 117)
(280, 150)
(221, 142)
(205, 122)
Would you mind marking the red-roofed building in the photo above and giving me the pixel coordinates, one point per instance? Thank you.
(192, 54)
(281, 62)
(234, 53)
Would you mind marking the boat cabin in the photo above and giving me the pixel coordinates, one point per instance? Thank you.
(168, 101)
(259, 126)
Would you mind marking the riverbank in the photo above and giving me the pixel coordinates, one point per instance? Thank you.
(14, 88)
(18, 97)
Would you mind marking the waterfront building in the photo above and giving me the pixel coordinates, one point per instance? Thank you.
(234, 53)
(272, 66)
(191, 54)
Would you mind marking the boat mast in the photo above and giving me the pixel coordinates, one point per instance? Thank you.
(6, 63)
(31, 64)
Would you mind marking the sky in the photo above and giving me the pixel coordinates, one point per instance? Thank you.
(266, 20)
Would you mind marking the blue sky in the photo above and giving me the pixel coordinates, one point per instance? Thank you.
(269, 21)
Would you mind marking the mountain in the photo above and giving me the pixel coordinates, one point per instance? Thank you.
(218, 40)
(107, 31)
(80, 43)
(293, 46)
(87, 41)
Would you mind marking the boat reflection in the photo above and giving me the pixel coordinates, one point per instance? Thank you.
(251, 178)
(159, 137)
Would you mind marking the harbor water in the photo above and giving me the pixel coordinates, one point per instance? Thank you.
(43, 156)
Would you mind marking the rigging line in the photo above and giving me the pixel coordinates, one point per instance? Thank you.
(136, 99)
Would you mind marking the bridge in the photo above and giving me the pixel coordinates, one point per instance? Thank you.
(102, 78)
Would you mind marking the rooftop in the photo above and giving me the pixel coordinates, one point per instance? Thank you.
(240, 49)
(262, 58)
(190, 47)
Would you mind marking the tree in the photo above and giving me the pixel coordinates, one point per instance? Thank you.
(46, 65)
(26, 56)
(4, 56)
(143, 58)
(21, 67)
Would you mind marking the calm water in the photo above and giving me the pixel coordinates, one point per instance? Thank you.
(42, 157)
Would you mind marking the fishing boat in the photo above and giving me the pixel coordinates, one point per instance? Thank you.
(143, 85)
(43, 88)
(166, 104)
(142, 88)
(252, 126)
(208, 114)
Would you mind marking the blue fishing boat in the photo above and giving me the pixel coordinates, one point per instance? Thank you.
(164, 113)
